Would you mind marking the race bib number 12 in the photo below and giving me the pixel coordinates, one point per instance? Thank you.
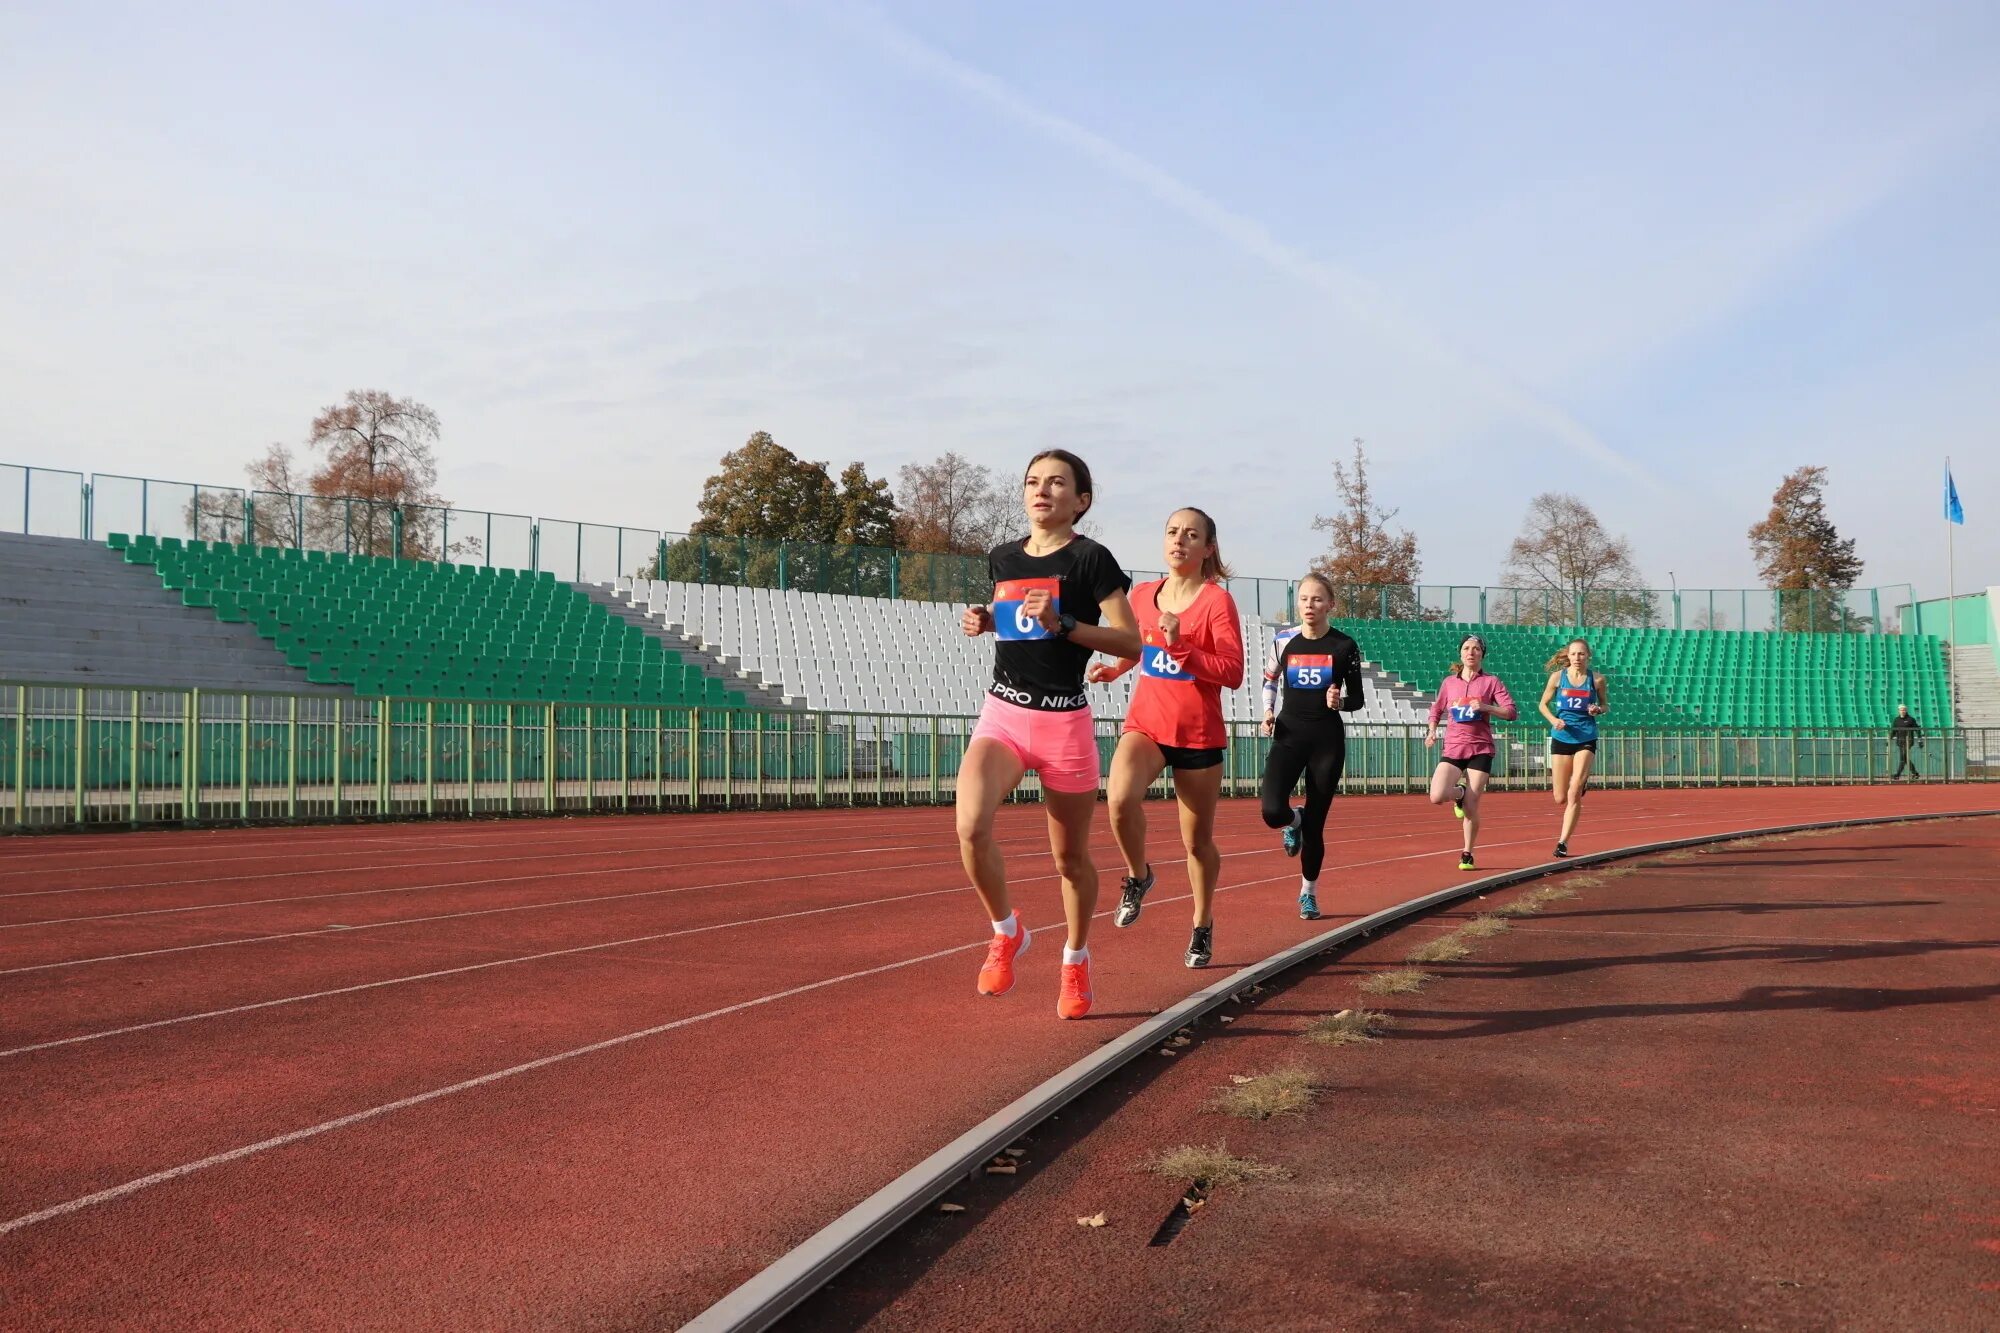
(1010, 620)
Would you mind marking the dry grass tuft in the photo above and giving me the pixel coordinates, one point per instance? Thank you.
(1347, 1028)
(1396, 981)
(1484, 927)
(1214, 1166)
(1444, 949)
(1282, 1092)
(1684, 854)
(1536, 900)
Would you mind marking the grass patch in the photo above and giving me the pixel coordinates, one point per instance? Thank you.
(1484, 927)
(1443, 949)
(1282, 1092)
(1349, 1027)
(1536, 900)
(1684, 854)
(1214, 1166)
(1396, 981)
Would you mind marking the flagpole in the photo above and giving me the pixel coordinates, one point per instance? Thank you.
(1951, 617)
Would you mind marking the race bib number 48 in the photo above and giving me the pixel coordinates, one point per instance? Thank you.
(1309, 670)
(1157, 662)
(1010, 620)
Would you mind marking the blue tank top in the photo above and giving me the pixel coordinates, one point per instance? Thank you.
(1572, 708)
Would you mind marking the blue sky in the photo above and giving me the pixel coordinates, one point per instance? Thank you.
(1657, 259)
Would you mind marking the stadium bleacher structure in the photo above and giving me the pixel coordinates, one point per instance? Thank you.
(415, 629)
(869, 654)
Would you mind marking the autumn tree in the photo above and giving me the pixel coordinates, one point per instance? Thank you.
(1804, 558)
(1373, 568)
(380, 451)
(1569, 570)
(769, 518)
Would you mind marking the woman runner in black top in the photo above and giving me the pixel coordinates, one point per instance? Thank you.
(1057, 598)
(1316, 670)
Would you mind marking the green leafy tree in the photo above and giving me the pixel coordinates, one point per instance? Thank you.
(1804, 559)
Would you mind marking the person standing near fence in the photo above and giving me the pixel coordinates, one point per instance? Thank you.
(1904, 732)
(1572, 702)
(1468, 699)
(1192, 651)
(1311, 677)
(1058, 597)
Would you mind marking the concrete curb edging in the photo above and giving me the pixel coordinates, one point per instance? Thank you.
(770, 1294)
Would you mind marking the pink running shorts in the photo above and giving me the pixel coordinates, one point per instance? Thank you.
(1061, 746)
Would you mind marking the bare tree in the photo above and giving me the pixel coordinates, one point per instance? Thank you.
(381, 451)
(952, 505)
(1572, 569)
(1373, 569)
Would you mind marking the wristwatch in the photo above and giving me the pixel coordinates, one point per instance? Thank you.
(1064, 624)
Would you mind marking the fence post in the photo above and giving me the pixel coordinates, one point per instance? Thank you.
(191, 756)
(136, 695)
(934, 759)
(292, 761)
(385, 735)
(660, 573)
(534, 548)
(549, 758)
(83, 750)
(784, 565)
(819, 759)
(339, 751)
(243, 737)
(694, 751)
(89, 512)
(396, 538)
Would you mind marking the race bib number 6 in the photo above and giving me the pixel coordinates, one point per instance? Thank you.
(1011, 620)
(1309, 670)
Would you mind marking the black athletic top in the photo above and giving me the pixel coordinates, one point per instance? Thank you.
(1298, 671)
(1031, 667)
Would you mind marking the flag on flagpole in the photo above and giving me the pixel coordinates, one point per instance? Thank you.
(1954, 512)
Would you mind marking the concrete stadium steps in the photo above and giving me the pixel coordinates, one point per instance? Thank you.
(73, 612)
(1976, 685)
(720, 666)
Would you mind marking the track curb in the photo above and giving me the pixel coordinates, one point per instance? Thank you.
(773, 1292)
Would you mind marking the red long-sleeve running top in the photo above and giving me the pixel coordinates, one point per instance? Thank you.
(1178, 699)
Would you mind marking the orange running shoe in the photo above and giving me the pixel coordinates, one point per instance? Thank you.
(996, 974)
(1074, 1002)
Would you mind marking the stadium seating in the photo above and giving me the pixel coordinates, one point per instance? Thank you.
(1662, 678)
(409, 628)
(873, 654)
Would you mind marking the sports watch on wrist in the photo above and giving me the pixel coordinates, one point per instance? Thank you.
(1064, 624)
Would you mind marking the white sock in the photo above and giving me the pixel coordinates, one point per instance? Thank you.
(1298, 816)
(1308, 886)
(1075, 955)
(1010, 927)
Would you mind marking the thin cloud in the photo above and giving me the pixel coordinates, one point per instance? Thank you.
(1355, 294)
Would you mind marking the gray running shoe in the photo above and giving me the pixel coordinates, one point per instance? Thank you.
(1131, 893)
(1201, 946)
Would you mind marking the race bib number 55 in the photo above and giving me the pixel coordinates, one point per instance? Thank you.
(1010, 620)
(1309, 670)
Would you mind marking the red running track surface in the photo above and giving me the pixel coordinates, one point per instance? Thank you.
(582, 1072)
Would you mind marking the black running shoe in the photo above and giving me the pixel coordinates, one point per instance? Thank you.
(1201, 946)
(1562, 849)
(1131, 893)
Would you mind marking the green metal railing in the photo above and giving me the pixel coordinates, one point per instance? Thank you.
(60, 503)
(81, 756)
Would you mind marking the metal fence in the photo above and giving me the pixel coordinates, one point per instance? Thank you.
(82, 756)
(58, 503)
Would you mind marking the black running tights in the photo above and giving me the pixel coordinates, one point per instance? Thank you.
(1321, 757)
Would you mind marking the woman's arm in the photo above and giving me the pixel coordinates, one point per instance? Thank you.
(1504, 707)
(1548, 693)
(1223, 664)
(1117, 638)
(1603, 699)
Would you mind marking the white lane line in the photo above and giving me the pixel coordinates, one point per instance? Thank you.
(327, 1126)
(322, 931)
(131, 1187)
(474, 967)
(640, 939)
(348, 870)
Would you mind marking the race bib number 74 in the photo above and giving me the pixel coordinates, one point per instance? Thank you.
(1010, 620)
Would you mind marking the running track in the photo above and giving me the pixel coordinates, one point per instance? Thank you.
(587, 1072)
